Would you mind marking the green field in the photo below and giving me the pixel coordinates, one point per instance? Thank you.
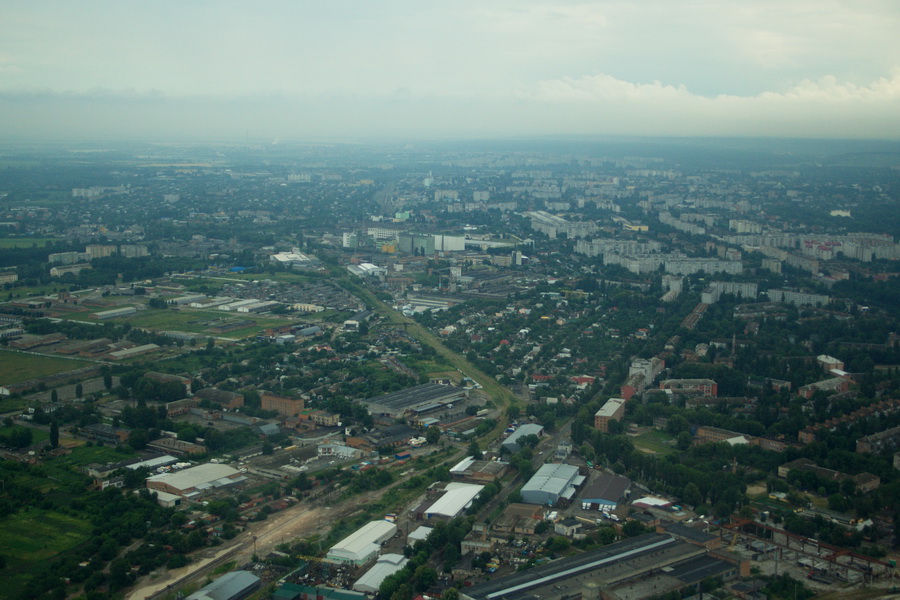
(194, 321)
(85, 455)
(6, 243)
(17, 366)
(31, 536)
(654, 442)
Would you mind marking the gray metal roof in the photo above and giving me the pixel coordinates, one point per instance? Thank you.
(231, 585)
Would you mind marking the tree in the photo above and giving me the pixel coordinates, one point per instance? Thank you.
(54, 396)
(475, 450)
(79, 390)
(107, 379)
(432, 435)
(691, 494)
(425, 577)
(54, 434)
(633, 528)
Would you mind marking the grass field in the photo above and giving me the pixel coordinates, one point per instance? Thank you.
(198, 321)
(16, 366)
(7, 243)
(85, 455)
(31, 536)
(654, 442)
(37, 435)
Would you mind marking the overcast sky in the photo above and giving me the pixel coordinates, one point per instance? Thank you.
(395, 69)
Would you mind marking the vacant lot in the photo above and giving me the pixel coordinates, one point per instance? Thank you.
(18, 366)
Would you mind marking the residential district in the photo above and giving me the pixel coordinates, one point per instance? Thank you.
(642, 372)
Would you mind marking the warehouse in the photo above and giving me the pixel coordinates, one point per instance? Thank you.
(512, 442)
(551, 484)
(456, 498)
(191, 481)
(231, 586)
(641, 567)
(362, 545)
(386, 566)
(116, 312)
(397, 404)
(605, 492)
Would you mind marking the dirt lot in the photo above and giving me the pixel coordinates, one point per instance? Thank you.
(297, 521)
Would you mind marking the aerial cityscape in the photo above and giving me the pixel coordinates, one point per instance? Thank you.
(556, 369)
(461, 300)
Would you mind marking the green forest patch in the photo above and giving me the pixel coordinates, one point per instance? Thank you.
(16, 366)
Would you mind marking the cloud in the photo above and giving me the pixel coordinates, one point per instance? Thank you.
(605, 88)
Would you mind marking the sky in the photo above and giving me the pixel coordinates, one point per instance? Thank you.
(365, 70)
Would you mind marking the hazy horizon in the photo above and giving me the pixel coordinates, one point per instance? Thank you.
(461, 69)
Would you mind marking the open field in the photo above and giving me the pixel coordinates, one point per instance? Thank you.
(654, 442)
(30, 242)
(37, 435)
(18, 366)
(33, 535)
(85, 455)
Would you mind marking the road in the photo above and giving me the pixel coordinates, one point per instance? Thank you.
(297, 521)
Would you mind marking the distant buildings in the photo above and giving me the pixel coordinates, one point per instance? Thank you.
(705, 387)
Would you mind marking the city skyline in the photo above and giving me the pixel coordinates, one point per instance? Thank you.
(400, 70)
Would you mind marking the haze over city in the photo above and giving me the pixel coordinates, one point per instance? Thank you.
(461, 69)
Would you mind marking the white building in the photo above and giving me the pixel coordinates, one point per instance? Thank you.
(386, 566)
(457, 497)
(362, 545)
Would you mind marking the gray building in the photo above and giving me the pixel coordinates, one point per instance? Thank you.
(512, 442)
(231, 586)
(397, 404)
(551, 484)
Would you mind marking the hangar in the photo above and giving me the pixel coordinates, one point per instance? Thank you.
(362, 545)
(397, 404)
(197, 479)
(551, 484)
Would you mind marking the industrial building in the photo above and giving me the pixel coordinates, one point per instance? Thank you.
(451, 501)
(641, 567)
(512, 442)
(190, 482)
(297, 591)
(116, 312)
(551, 484)
(605, 492)
(478, 471)
(231, 586)
(397, 404)
(384, 567)
(362, 545)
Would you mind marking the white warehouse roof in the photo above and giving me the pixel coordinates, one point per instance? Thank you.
(362, 543)
(195, 477)
(387, 565)
(457, 497)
